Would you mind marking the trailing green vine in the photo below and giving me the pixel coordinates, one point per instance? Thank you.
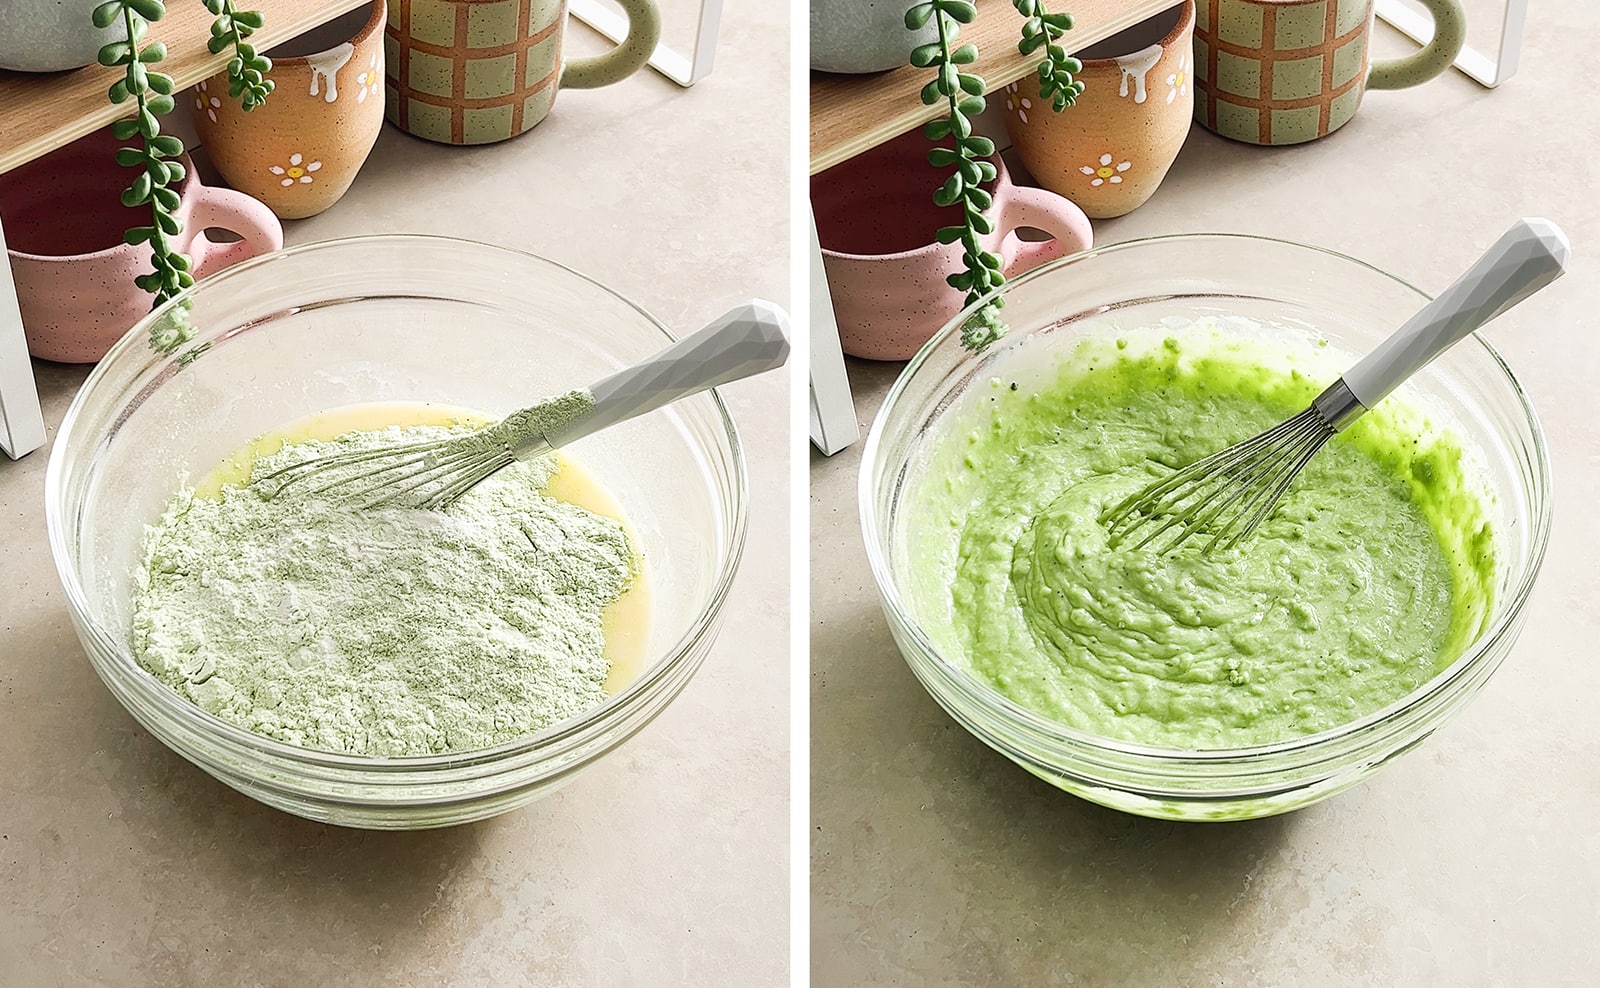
(1043, 29)
(155, 155)
(247, 71)
(962, 93)
(152, 94)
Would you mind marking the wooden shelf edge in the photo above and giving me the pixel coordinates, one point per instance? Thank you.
(285, 19)
(998, 71)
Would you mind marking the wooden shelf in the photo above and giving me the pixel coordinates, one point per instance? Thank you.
(853, 113)
(40, 112)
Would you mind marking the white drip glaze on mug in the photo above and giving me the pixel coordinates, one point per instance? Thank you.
(1136, 67)
(327, 66)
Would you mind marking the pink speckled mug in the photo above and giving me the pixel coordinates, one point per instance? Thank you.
(64, 221)
(886, 271)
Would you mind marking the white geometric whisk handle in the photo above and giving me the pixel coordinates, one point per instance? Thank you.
(1526, 258)
(750, 339)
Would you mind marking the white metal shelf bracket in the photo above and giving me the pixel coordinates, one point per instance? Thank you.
(833, 413)
(1481, 68)
(685, 70)
(21, 420)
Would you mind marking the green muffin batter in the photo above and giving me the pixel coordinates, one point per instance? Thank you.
(1374, 573)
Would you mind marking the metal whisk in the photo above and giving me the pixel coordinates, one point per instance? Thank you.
(1231, 492)
(748, 340)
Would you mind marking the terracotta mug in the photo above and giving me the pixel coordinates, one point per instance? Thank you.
(1110, 150)
(300, 150)
(479, 71)
(1290, 71)
(64, 221)
(876, 225)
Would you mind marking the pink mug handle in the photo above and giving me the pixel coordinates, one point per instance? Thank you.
(1021, 206)
(226, 209)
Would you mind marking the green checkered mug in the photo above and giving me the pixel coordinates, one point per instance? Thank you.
(480, 71)
(1289, 71)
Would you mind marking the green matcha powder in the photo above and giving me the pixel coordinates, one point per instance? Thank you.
(387, 632)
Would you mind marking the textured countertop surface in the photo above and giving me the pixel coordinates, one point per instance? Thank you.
(667, 863)
(1474, 860)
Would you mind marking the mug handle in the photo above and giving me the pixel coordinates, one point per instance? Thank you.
(1449, 34)
(633, 54)
(235, 212)
(1022, 206)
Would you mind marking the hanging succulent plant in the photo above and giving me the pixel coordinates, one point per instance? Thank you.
(151, 91)
(967, 153)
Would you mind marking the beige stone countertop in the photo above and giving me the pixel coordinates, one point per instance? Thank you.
(1473, 860)
(667, 862)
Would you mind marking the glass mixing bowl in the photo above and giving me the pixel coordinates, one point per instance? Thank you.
(387, 319)
(1291, 289)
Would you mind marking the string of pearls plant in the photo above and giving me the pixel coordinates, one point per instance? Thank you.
(967, 152)
(151, 93)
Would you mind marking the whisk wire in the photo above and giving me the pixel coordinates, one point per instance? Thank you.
(1223, 487)
(283, 477)
(1165, 498)
(1208, 468)
(1228, 493)
(1270, 497)
(401, 477)
(1261, 494)
(376, 475)
(430, 474)
(464, 482)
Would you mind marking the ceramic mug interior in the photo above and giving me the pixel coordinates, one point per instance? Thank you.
(69, 202)
(881, 201)
(1151, 31)
(326, 36)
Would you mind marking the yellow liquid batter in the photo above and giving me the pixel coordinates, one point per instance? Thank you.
(626, 622)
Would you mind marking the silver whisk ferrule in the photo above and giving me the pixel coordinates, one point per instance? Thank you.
(1338, 406)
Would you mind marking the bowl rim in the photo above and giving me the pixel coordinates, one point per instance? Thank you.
(1506, 620)
(573, 730)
